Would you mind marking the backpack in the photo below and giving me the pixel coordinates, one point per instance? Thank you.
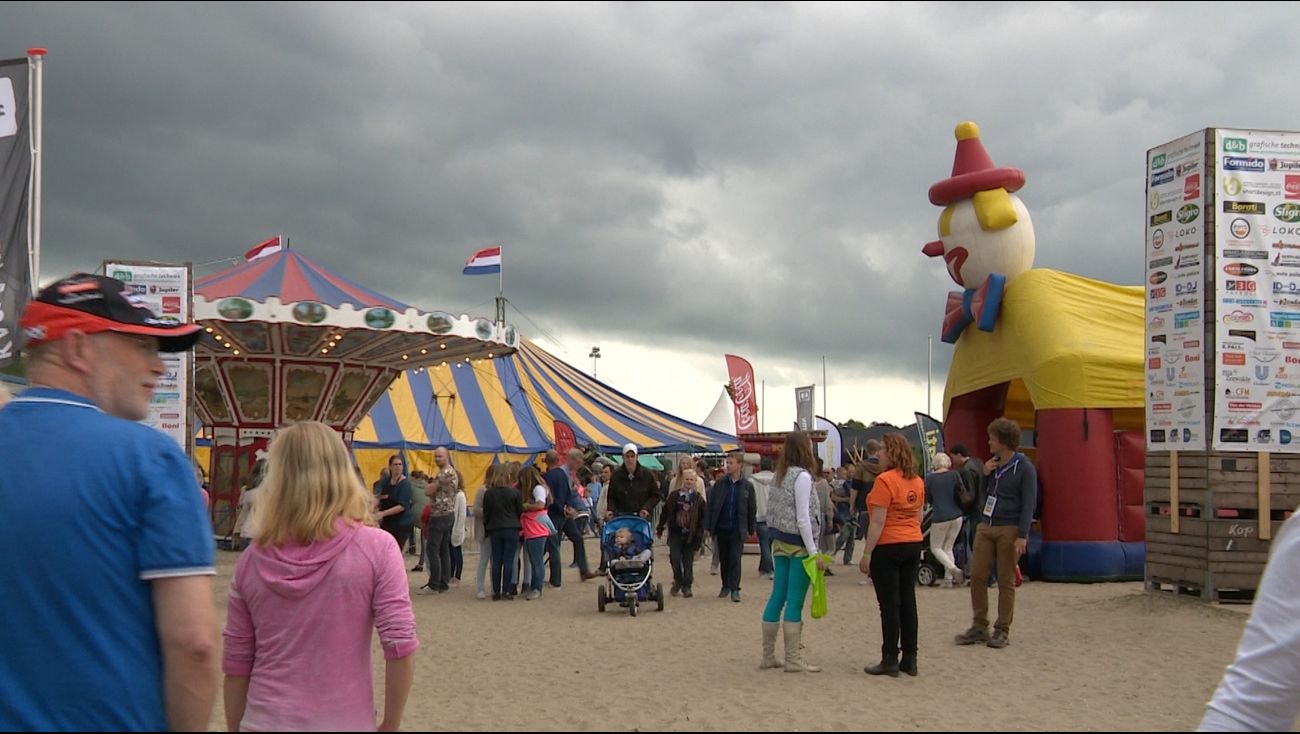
(963, 494)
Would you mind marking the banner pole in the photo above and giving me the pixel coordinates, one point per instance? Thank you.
(35, 90)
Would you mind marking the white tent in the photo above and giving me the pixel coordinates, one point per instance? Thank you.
(722, 417)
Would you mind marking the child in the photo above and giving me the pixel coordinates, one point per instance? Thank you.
(629, 548)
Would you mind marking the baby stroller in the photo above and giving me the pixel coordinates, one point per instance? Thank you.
(629, 580)
(930, 570)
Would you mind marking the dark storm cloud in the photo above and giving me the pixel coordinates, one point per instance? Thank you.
(707, 177)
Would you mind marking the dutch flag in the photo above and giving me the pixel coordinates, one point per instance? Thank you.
(264, 249)
(484, 262)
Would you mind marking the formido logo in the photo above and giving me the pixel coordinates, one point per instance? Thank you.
(1234, 145)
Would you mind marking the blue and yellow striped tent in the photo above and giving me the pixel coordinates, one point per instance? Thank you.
(491, 409)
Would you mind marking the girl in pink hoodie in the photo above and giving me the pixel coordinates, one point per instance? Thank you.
(306, 595)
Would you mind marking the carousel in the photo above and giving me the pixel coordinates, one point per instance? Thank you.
(286, 340)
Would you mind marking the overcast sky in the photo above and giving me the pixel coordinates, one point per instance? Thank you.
(670, 182)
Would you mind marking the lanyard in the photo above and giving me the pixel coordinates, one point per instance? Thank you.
(55, 401)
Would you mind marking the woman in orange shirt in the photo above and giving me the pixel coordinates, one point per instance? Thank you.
(893, 553)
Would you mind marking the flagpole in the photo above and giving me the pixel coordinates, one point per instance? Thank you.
(501, 289)
(929, 367)
(35, 77)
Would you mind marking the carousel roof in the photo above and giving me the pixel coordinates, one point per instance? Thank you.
(291, 277)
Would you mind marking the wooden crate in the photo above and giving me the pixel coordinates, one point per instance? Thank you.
(1211, 537)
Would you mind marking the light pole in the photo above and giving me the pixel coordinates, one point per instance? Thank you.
(595, 355)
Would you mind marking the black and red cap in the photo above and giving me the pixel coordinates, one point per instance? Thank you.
(95, 303)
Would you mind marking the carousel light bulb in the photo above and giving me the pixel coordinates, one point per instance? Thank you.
(444, 364)
(489, 355)
(324, 351)
(236, 352)
(424, 351)
(442, 346)
(208, 329)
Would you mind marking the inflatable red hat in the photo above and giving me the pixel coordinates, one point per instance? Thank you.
(973, 171)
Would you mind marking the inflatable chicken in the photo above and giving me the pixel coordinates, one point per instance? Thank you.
(985, 235)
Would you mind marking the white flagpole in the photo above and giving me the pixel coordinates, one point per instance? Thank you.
(501, 289)
(35, 103)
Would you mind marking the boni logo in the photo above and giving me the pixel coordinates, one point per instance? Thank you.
(1235, 145)
(1157, 239)
(1233, 163)
(1157, 161)
(1240, 228)
(1160, 178)
(1238, 317)
(1158, 277)
(1192, 187)
(1287, 212)
(1188, 213)
(1241, 270)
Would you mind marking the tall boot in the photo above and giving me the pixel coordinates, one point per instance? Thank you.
(770, 630)
(793, 659)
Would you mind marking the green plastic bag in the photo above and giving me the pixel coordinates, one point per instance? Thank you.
(817, 578)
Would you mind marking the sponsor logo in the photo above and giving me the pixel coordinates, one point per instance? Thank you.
(1157, 394)
(1164, 217)
(1188, 167)
(1162, 407)
(1263, 436)
(1237, 392)
(1186, 318)
(1231, 185)
(1240, 269)
(1283, 164)
(1157, 436)
(1277, 229)
(1188, 213)
(1261, 373)
(1234, 360)
(1286, 261)
(1279, 287)
(1192, 187)
(1290, 345)
(1189, 302)
(1153, 363)
(1186, 289)
(1235, 145)
(1191, 358)
(1292, 187)
(1246, 254)
(1284, 409)
(1238, 317)
(1242, 333)
(1160, 308)
(1156, 323)
(1243, 405)
(1244, 207)
(1188, 261)
(1157, 239)
(1160, 262)
(1191, 344)
(1279, 394)
(1234, 435)
(1160, 178)
(1232, 376)
(171, 304)
(1240, 228)
(1159, 277)
(1158, 161)
(1237, 163)
(1287, 211)
(1240, 286)
(1247, 302)
(1292, 360)
(1159, 339)
(1231, 347)
(1158, 293)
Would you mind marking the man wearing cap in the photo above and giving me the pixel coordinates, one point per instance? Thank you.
(632, 489)
(124, 637)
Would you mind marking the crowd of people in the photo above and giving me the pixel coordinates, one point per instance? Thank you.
(133, 624)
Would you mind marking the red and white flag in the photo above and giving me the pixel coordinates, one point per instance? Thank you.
(270, 247)
(484, 262)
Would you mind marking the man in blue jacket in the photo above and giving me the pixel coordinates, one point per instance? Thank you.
(563, 510)
(1011, 482)
(731, 519)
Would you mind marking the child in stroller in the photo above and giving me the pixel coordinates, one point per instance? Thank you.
(628, 546)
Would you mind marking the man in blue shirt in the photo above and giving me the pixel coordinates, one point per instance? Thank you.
(124, 637)
(731, 519)
(563, 509)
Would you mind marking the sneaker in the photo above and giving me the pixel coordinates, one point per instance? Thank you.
(675, 590)
(686, 592)
(973, 635)
(713, 572)
(423, 590)
(724, 593)
(735, 595)
(999, 640)
(418, 568)
(482, 595)
(454, 581)
(829, 572)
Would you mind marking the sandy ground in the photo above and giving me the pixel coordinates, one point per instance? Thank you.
(1082, 657)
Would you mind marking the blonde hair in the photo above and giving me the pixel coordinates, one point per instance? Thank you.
(940, 462)
(687, 473)
(510, 474)
(309, 485)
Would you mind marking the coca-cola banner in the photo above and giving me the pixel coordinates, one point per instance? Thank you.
(743, 395)
(564, 438)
